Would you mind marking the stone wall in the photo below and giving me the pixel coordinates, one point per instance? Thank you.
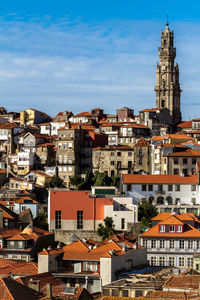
(65, 235)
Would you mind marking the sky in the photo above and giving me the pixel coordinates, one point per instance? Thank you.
(78, 55)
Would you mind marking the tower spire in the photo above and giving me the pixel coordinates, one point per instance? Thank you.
(167, 77)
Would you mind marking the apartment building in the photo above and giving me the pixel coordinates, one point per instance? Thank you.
(91, 264)
(142, 153)
(80, 212)
(68, 155)
(168, 192)
(182, 162)
(172, 240)
(114, 160)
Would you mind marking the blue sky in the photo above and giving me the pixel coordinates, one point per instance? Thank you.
(77, 55)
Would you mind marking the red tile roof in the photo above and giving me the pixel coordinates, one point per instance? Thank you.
(176, 219)
(159, 179)
(183, 282)
(187, 153)
(142, 143)
(185, 124)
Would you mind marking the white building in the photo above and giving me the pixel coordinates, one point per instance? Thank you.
(172, 240)
(166, 191)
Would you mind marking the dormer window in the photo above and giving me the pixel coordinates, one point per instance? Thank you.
(162, 228)
(179, 228)
(172, 228)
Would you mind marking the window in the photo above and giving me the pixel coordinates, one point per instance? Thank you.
(119, 164)
(20, 244)
(140, 162)
(177, 201)
(129, 153)
(129, 164)
(189, 261)
(23, 208)
(176, 171)
(171, 261)
(12, 244)
(150, 187)
(162, 244)
(118, 153)
(194, 161)
(193, 200)
(179, 228)
(58, 219)
(124, 293)
(177, 188)
(190, 244)
(111, 153)
(145, 243)
(172, 228)
(171, 244)
(153, 243)
(198, 244)
(144, 187)
(185, 161)
(122, 223)
(140, 151)
(161, 260)
(181, 244)
(162, 228)
(193, 188)
(129, 187)
(112, 163)
(181, 262)
(90, 266)
(153, 260)
(170, 188)
(79, 219)
(160, 188)
(175, 161)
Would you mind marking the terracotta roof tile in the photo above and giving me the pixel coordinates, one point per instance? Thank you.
(184, 282)
(162, 179)
(142, 143)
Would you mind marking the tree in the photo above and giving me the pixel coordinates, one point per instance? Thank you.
(103, 180)
(107, 229)
(55, 181)
(147, 210)
(41, 221)
(144, 222)
(116, 181)
(75, 180)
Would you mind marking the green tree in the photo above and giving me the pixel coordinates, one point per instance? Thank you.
(116, 181)
(55, 181)
(144, 222)
(75, 180)
(103, 180)
(107, 229)
(147, 210)
(41, 221)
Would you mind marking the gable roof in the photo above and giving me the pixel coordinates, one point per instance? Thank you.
(142, 143)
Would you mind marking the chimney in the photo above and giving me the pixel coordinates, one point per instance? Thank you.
(34, 285)
(48, 291)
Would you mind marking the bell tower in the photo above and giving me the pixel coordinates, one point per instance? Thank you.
(167, 87)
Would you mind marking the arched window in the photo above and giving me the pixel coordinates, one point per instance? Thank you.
(151, 199)
(169, 200)
(160, 200)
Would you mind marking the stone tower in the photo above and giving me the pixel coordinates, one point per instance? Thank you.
(167, 88)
